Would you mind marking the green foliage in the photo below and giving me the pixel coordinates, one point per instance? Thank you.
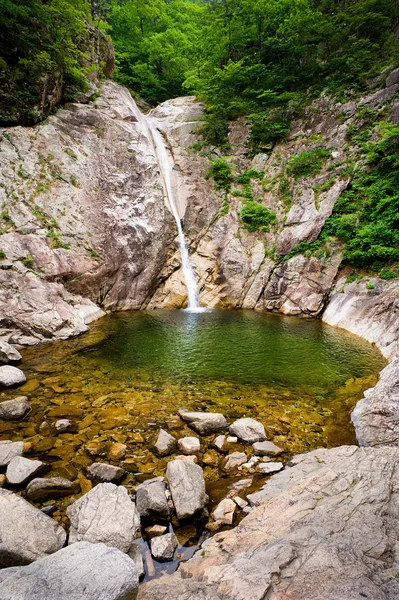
(318, 247)
(387, 273)
(264, 132)
(366, 216)
(221, 172)
(254, 216)
(2, 254)
(249, 174)
(369, 286)
(284, 192)
(308, 163)
(28, 261)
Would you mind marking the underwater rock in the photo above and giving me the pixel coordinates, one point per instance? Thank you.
(105, 472)
(266, 449)
(14, 409)
(163, 547)
(165, 444)
(83, 571)
(63, 425)
(105, 514)
(10, 376)
(26, 534)
(187, 486)
(234, 460)
(44, 488)
(8, 450)
(189, 445)
(248, 430)
(21, 469)
(117, 451)
(8, 353)
(151, 501)
(204, 423)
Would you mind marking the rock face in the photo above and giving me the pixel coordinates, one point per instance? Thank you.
(105, 472)
(83, 571)
(163, 547)
(43, 488)
(204, 423)
(187, 486)
(324, 529)
(15, 409)
(376, 416)
(248, 430)
(105, 514)
(21, 469)
(151, 501)
(9, 450)
(8, 353)
(165, 444)
(11, 376)
(26, 534)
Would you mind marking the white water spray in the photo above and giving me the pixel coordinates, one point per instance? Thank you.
(163, 162)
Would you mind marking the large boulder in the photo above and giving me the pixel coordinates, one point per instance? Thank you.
(26, 534)
(204, 423)
(105, 514)
(187, 486)
(21, 469)
(248, 430)
(44, 488)
(8, 353)
(10, 376)
(83, 571)
(12, 410)
(9, 450)
(151, 501)
(165, 444)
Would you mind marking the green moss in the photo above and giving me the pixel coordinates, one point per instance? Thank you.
(2, 254)
(28, 261)
(308, 163)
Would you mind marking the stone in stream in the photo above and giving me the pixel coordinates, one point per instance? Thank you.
(224, 512)
(187, 486)
(155, 530)
(248, 430)
(21, 469)
(189, 445)
(44, 488)
(12, 410)
(63, 425)
(219, 443)
(8, 450)
(204, 423)
(163, 547)
(151, 501)
(269, 467)
(8, 353)
(266, 449)
(165, 444)
(137, 556)
(105, 472)
(105, 514)
(83, 571)
(26, 534)
(11, 376)
(234, 460)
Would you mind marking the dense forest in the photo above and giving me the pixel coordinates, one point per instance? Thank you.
(262, 59)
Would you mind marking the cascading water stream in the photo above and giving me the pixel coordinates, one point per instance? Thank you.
(163, 162)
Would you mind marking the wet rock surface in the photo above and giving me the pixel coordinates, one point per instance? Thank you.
(83, 571)
(26, 534)
(43, 488)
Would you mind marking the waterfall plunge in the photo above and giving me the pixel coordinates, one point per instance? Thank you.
(164, 167)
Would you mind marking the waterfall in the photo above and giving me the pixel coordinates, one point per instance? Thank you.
(164, 167)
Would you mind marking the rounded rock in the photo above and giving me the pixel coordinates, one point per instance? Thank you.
(10, 376)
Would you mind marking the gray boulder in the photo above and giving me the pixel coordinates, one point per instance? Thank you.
(105, 472)
(266, 449)
(10, 376)
(26, 534)
(105, 514)
(44, 488)
(189, 445)
(9, 450)
(163, 547)
(8, 353)
(136, 554)
(234, 460)
(248, 430)
(151, 501)
(21, 469)
(11, 410)
(187, 486)
(6, 573)
(204, 423)
(165, 444)
(83, 571)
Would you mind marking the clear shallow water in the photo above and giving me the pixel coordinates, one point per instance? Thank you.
(129, 375)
